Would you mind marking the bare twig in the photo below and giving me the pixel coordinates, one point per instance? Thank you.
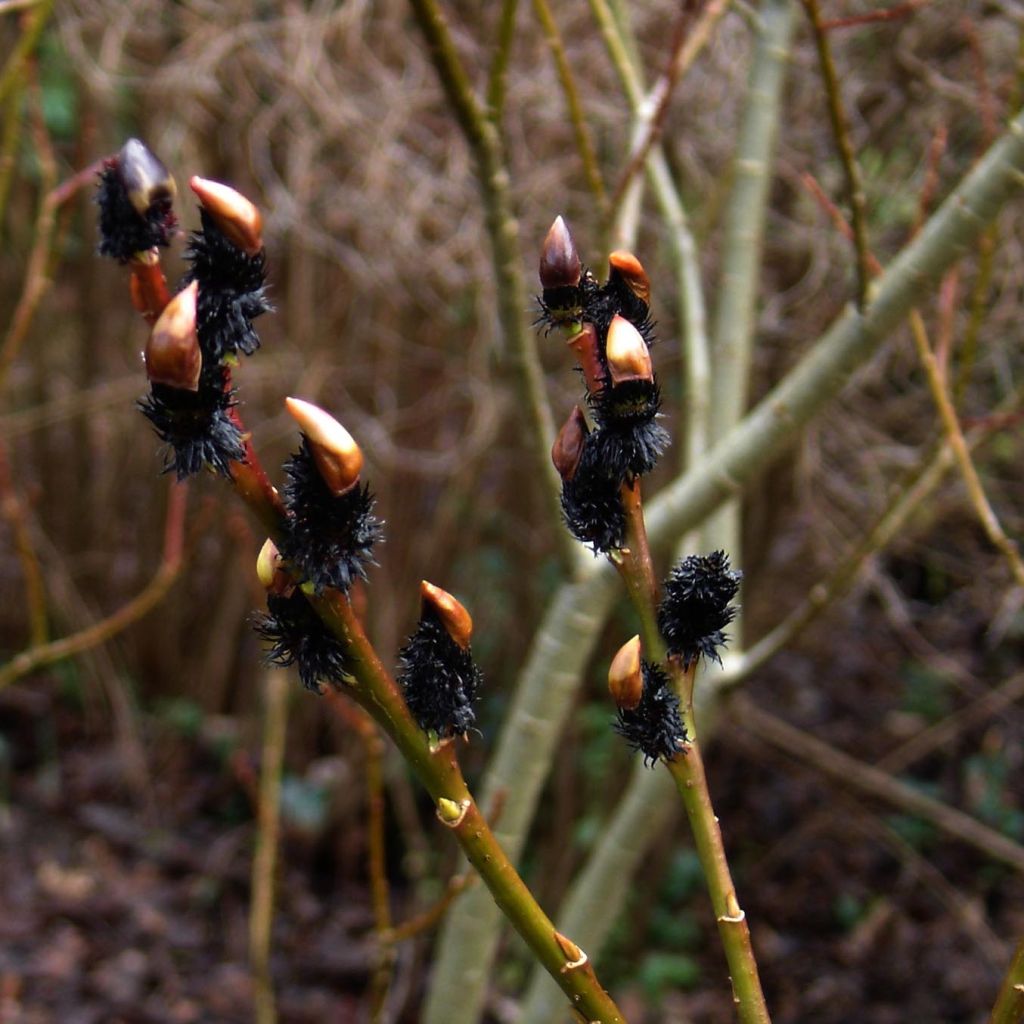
(951, 424)
(148, 598)
(261, 910)
(841, 131)
(584, 143)
(893, 13)
(865, 778)
(35, 590)
(689, 37)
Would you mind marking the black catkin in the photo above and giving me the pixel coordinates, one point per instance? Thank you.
(196, 425)
(330, 537)
(654, 727)
(440, 679)
(697, 606)
(124, 232)
(297, 636)
(591, 503)
(232, 292)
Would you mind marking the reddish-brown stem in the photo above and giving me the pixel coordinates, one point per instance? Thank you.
(873, 17)
(148, 285)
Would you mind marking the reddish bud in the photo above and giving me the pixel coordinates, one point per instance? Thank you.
(337, 455)
(559, 260)
(584, 344)
(236, 216)
(627, 353)
(172, 355)
(625, 676)
(452, 613)
(568, 446)
(626, 266)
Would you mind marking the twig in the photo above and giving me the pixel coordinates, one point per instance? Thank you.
(35, 590)
(584, 143)
(498, 77)
(743, 248)
(865, 778)
(687, 45)
(432, 915)
(261, 911)
(687, 771)
(1009, 1008)
(34, 25)
(493, 180)
(148, 598)
(873, 17)
(841, 131)
(951, 425)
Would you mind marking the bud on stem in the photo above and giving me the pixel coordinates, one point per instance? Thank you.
(172, 355)
(337, 456)
(559, 260)
(238, 219)
(628, 269)
(146, 180)
(453, 615)
(627, 353)
(625, 675)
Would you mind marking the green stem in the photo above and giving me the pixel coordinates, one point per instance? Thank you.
(261, 913)
(438, 770)
(687, 771)
(1009, 1008)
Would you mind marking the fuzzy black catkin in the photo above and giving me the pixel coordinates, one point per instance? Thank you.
(123, 231)
(591, 502)
(654, 727)
(297, 636)
(440, 679)
(697, 606)
(330, 538)
(196, 425)
(232, 292)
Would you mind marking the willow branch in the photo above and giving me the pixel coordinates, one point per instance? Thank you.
(584, 143)
(1009, 1008)
(955, 437)
(482, 136)
(565, 641)
(841, 131)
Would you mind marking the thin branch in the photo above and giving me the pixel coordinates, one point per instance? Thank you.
(498, 78)
(864, 778)
(148, 598)
(493, 180)
(951, 424)
(689, 39)
(34, 25)
(873, 17)
(841, 131)
(264, 864)
(12, 510)
(584, 143)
